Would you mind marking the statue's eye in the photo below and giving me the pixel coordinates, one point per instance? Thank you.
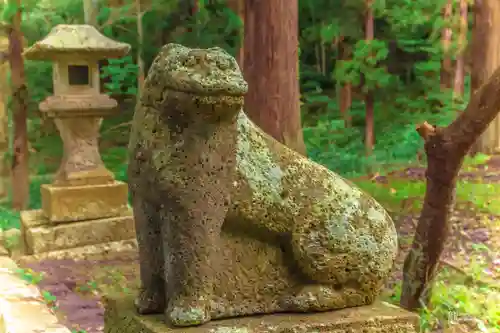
(190, 61)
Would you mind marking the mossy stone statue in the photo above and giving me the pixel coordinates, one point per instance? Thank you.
(229, 221)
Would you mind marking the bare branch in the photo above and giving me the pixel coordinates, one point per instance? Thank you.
(426, 130)
(480, 112)
(445, 149)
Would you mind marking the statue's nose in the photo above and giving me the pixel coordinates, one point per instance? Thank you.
(204, 59)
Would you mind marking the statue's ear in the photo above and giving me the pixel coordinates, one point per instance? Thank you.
(218, 49)
(172, 47)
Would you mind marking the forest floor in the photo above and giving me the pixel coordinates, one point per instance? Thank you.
(467, 289)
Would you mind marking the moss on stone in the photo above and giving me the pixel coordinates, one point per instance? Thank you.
(256, 163)
(226, 329)
(202, 71)
(328, 216)
(283, 219)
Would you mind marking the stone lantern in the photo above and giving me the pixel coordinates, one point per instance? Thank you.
(83, 189)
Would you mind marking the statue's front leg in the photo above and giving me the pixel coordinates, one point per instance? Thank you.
(151, 298)
(190, 240)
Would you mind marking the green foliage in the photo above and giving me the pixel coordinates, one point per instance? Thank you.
(365, 63)
(8, 218)
(49, 299)
(122, 76)
(30, 276)
(339, 148)
(484, 196)
(402, 74)
(9, 10)
(459, 297)
(39, 82)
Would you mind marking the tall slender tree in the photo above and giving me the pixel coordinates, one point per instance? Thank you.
(4, 93)
(345, 91)
(139, 12)
(458, 84)
(369, 101)
(485, 59)
(446, 34)
(271, 69)
(90, 11)
(19, 169)
(238, 7)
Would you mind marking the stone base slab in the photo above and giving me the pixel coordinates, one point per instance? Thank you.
(39, 235)
(120, 317)
(85, 202)
(102, 251)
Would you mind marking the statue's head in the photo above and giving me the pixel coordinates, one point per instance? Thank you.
(211, 76)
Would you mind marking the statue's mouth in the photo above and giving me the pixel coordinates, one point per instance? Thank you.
(204, 97)
(219, 99)
(207, 84)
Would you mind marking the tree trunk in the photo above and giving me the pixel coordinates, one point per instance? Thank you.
(238, 6)
(90, 12)
(140, 39)
(345, 103)
(446, 64)
(20, 168)
(271, 69)
(345, 94)
(369, 101)
(485, 59)
(445, 149)
(458, 87)
(4, 130)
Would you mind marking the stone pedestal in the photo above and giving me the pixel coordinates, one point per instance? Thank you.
(40, 235)
(85, 202)
(73, 216)
(120, 317)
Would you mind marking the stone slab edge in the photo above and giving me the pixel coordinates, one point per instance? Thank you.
(22, 307)
(84, 252)
(381, 317)
(48, 238)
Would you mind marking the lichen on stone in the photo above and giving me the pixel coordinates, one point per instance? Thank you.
(256, 163)
(211, 71)
(263, 228)
(187, 316)
(227, 329)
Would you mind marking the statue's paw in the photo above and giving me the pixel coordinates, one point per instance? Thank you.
(150, 301)
(188, 313)
(313, 298)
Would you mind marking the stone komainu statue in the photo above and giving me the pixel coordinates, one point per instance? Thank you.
(229, 221)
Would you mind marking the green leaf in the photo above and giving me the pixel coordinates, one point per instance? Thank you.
(9, 11)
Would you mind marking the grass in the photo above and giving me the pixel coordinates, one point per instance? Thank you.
(397, 193)
(456, 296)
(471, 162)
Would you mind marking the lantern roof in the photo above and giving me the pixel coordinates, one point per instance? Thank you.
(77, 40)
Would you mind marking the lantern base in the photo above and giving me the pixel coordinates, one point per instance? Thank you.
(85, 202)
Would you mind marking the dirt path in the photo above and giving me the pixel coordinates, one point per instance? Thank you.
(76, 285)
